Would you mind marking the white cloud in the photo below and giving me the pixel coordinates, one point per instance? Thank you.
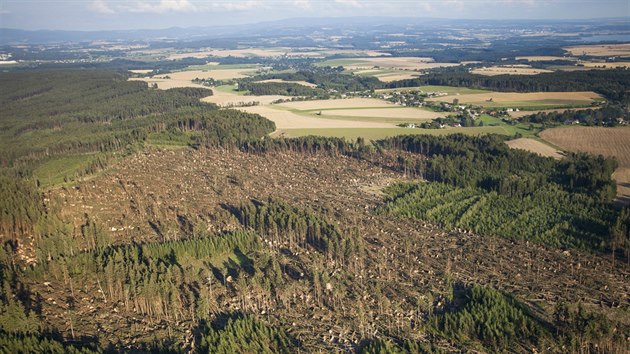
(163, 6)
(303, 4)
(353, 3)
(237, 5)
(101, 7)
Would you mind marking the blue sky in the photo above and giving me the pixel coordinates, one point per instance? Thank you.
(135, 14)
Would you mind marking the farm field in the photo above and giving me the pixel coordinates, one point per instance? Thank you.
(224, 96)
(216, 74)
(511, 70)
(532, 100)
(449, 90)
(141, 71)
(273, 52)
(285, 119)
(535, 146)
(385, 113)
(381, 133)
(184, 78)
(520, 114)
(598, 141)
(303, 83)
(165, 84)
(350, 103)
(611, 65)
(600, 50)
(543, 58)
(388, 75)
(404, 63)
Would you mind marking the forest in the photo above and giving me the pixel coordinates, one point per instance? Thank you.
(281, 245)
(611, 84)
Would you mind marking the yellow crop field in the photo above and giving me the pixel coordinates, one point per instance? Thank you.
(535, 146)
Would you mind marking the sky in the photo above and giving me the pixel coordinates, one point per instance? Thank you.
(149, 14)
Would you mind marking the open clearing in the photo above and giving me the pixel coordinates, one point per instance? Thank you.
(216, 74)
(595, 140)
(184, 78)
(350, 103)
(598, 141)
(543, 58)
(303, 83)
(165, 84)
(381, 133)
(600, 50)
(290, 120)
(448, 90)
(509, 70)
(143, 71)
(226, 99)
(393, 112)
(238, 53)
(535, 146)
(405, 63)
(610, 65)
(520, 114)
(273, 52)
(530, 99)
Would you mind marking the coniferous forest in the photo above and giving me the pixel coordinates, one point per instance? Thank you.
(135, 219)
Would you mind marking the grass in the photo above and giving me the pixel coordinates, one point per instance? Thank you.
(54, 171)
(381, 133)
(170, 139)
(535, 105)
(230, 89)
(339, 62)
(450, 90)
(520, 128)
(220, 67)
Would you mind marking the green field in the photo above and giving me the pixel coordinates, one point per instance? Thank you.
(523, 129)
(450, 90)
(340, 62)
(221, 67)
(535, 105)
(230, 89)
(55, 171)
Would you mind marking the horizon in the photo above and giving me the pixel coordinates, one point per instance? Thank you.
(322, 18)
(117, 15)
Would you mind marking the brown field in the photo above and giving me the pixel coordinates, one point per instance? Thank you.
(238, 53)
(400, 113)
(521, 114)
(184, 78)
(218, 74)
(523, 99)
(274, 52)
(599, 141)
(303, 83)
(543, 58)
(318, 53)
(535, 146)
(290, 120)
(620, 64)
(595, 140)
(622, 176)
(165, 84)
(396, 76)
(600, 50)
(143, 71)
(338, 104)
(511, 70)
(406, 63)
(230, 99)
